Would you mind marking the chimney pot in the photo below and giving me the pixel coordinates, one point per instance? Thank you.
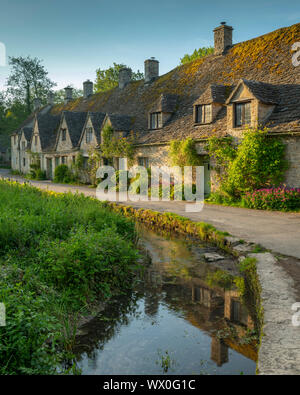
(36, 103)
(50, 98)
(125, 75)
(88, 87)
(68, 94)
(151, 69)
(223, 38)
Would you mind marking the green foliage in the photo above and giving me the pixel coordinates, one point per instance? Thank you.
(198, 53)
(58, 253)
(28, 79)
(116, 147)
(221, 279)
(109, 78)
(258, 161)
(63, 174)
(183, 153)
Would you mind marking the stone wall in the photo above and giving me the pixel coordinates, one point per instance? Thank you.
(292, 178)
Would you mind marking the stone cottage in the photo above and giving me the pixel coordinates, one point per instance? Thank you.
(247, 84)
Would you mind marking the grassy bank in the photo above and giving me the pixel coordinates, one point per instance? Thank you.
(60, 254)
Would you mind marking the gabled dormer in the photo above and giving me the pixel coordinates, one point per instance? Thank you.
(35, 143)
(250, 104)
(208, 105)
(162, 111)
(70, 130)
(91, 131)
(44, 132)
(121, 124)
(25, 138)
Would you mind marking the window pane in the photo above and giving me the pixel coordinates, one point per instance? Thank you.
(159, 121)
(199, 114)
(238, 114)
(247, 120)
(207, 117)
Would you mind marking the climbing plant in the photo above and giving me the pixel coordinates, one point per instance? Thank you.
(113, 146)
(257, 161)
(184, 153)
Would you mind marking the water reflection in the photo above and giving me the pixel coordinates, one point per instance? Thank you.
(171, 312)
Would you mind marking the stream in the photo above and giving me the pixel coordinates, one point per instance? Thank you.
(175, 320)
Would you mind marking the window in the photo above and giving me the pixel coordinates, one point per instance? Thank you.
(73, 159)
(242, 114)
(35, 140)
(203, 114)
(156, 120)
(56, 161)
(143, 162)
(63, 134)
(63, 160)
(89, 135)
(24, 162)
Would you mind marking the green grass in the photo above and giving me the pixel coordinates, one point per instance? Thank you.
(59, 255)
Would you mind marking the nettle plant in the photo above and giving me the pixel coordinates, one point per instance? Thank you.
(256, 161)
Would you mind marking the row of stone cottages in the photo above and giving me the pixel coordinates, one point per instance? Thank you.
(251, 83)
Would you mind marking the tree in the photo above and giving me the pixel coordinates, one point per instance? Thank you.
(198, 53)
(109, 78)
(27, 80)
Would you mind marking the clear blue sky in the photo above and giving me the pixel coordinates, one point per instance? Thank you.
(74, 37)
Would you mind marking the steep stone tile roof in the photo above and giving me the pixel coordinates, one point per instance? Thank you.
(75, 122)
(97, 119)
(264, 63)
(214, 94)
(27, 132)
(121, 122)
(48, 127)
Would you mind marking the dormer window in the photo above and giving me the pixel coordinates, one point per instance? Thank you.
(63, 134)
(35, 140)
(242, 114)
(203, 114)
(156, 120)
(89, 135)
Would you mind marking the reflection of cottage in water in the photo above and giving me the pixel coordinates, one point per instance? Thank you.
(209, 308)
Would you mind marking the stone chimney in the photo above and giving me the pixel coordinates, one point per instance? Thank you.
(151, 70)
(36, 103)
(124, 77)
(68, 94)
(88, 89)
(50, 98)
(223, 38)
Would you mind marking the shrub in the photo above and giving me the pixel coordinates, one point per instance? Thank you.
(63, 174)
(281, 198)
(88, 262)
(257, 162)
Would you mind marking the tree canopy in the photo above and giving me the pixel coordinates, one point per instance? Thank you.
(198, 53)
(28, 79)
(109, 78)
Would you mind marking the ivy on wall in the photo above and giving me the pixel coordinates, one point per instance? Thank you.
(258, 161)
(113, 146)
(184, 153)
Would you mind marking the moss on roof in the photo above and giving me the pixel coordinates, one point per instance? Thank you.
(265, 59)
